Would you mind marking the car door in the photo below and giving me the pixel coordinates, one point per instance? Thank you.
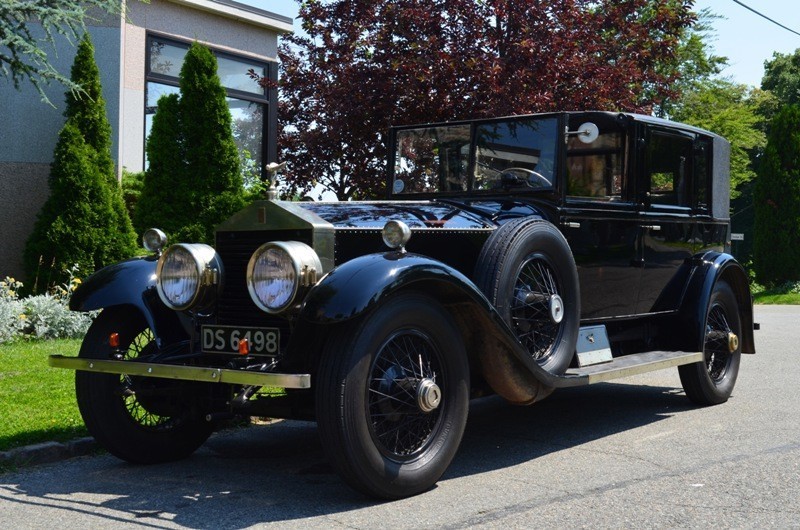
(667, 228)
(600, 220)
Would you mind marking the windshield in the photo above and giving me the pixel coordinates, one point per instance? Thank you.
(516, 153)
(431, 160)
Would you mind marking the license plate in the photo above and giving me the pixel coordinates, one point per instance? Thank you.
(225, 339)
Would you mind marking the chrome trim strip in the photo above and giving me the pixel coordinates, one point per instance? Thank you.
(184, 373)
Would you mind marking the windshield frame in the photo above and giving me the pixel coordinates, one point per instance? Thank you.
(471, 188)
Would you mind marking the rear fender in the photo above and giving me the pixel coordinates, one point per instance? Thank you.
(706, 270)
(353, 289)
(130, 283)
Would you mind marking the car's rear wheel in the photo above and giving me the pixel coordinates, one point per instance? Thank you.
(392, 397)
(141, 420)
(711, 381)
(527, 271)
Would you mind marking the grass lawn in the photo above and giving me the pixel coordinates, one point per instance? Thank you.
(776, 297)
(37, 402)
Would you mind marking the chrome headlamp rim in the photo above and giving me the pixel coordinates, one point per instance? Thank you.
(395, 234)
(306, 266)
(207, 266)
(154, 240)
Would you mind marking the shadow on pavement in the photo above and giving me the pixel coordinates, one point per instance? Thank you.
(278, 472)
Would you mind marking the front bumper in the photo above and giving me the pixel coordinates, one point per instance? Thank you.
(184, 373)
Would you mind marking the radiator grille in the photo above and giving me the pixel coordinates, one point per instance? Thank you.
(235, 248)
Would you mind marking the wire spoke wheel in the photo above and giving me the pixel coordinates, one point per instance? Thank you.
(535, 290)
(141, 410)
(527, 271)
(142, 420)
(404, 365)
(717, 348)
(392, 396)
(711, 381)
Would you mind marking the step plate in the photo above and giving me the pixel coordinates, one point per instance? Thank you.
(638, 363)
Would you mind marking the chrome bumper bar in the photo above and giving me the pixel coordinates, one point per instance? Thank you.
(184, 373)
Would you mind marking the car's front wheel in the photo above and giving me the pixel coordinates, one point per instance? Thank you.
(141, 420)
(392, 397)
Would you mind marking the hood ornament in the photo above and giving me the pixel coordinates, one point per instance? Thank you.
(272, 169)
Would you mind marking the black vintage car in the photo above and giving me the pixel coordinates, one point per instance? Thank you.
(513, 256)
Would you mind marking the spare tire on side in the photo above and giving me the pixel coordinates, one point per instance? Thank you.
(527, 271)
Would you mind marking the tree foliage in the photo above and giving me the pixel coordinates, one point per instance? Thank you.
(695, 61)
(777, 202)
(87, 110)
(363, 66)
(84, 220)
(193, 180)
(782, 77)
(22, 56)
(732, 111)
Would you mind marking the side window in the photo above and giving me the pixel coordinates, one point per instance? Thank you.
(668, 167)
(596, 170)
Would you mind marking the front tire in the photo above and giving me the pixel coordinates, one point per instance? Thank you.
(136, 419)
(392, 397)
(711, 381)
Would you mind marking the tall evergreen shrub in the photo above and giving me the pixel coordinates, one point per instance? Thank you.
(166, 194)
(73, 226)
(777, 202)
(84, 220)
(87, 109)
(193, 181)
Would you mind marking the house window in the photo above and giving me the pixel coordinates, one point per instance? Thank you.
(248, 102)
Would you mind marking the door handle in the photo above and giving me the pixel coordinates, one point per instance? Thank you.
(654, 228)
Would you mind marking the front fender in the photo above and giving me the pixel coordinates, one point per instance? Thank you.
(352, 289)
(132, 283)
(707, 269)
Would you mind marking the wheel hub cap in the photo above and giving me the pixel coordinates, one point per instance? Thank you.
(429, 395)
(733, 342)
(556, 309)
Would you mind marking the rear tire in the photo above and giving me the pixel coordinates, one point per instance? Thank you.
(392, 397)
(147, 427)
(711, 382)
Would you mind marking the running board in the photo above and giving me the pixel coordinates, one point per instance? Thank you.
(628, 365)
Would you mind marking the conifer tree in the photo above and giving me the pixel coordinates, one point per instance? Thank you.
(84, 221)
(193, 180)
(87, 109)
(777, 202)
(73, 226)
(165, 192)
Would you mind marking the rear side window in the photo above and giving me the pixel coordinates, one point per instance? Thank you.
(595, 170)
(668, 166)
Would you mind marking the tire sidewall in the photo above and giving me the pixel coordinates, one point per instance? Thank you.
(376, 473)
(723, 296)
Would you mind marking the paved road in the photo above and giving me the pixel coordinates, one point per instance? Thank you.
(631, 455)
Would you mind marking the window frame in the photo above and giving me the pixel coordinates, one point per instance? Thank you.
(268, 99)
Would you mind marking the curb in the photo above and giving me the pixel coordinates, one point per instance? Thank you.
(47, 452)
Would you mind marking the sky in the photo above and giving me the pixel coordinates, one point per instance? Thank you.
(746, 39)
